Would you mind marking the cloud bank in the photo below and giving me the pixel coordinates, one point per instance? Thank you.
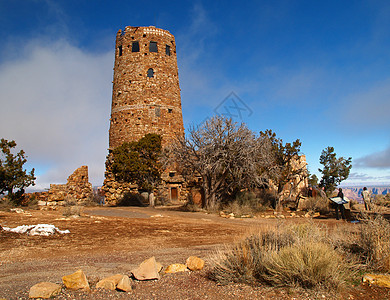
(55, 103)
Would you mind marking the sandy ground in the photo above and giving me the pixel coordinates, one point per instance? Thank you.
(107, 241)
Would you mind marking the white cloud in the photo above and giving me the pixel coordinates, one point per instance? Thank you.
(379, 160)
(55, 103)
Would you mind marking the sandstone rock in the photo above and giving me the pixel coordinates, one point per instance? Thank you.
(147, 270)
(124, 284)
(378, 280)
(194, 263)
(174, 268)
(44, 290)
(76, 281)
(109, 283)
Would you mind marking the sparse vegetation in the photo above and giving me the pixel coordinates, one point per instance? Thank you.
(374, 242)
(299, 255)
(316, 204)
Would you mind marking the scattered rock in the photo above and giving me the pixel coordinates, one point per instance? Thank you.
(174, 268)
(109, 283)
(44, 290)
(378, 280)
(147, 270)
(194, 263)
(17, 210)
(124, 284)
(76, 281)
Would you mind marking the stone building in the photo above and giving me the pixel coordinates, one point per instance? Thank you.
(145, 99)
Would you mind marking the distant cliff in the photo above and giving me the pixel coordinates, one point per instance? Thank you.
(356, 192)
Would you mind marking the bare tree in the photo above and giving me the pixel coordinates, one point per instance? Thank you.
(227, 156)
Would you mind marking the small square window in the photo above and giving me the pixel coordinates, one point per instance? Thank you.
(169, 110)
(153, 47)
(168, 50)
(135, 47)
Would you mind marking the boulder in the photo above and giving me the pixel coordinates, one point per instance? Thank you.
(378, 280)
(176, 268)
(44, 290)
(124, 284)
(76, 281)
(194, 263)
(147, 270)
(109, 283)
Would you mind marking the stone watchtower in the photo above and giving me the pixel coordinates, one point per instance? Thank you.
(145, 97)
(146, 92)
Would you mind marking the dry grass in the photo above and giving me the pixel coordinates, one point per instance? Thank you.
(316, 204)
(293, 256)
(374, 241)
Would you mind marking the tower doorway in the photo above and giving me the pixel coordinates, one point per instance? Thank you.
(174, 194)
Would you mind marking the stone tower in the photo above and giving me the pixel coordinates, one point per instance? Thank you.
(145, 99)
(146, 92)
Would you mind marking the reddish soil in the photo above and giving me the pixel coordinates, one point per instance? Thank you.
(107, 241)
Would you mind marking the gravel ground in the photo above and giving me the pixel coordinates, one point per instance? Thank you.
(108, 241)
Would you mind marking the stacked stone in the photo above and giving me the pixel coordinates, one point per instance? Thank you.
(78, 186)
(145, 98)
(76, 189)
(146, 92)
(114, 191)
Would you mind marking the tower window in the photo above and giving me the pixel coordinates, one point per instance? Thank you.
(168, 50)
(157, 111)
(153, 47)
(150, 73)
(169, 110)
(135, 47)
(120, 50)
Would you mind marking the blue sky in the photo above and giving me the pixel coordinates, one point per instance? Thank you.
(318, 71)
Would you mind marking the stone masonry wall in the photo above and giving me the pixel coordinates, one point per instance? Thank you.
(77, 188)
(145, 98)
(146, 92)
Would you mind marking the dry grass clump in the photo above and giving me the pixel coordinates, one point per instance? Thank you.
(247, 203)
(374, 242)
(316, 204)
(286, 256)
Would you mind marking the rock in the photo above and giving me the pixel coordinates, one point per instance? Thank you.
(147, 270)
(174, 268)
(124, 284)
(41, 203)
(76, 281)
(378, 280)
(109, 283)
(194, 263)
(44, 290)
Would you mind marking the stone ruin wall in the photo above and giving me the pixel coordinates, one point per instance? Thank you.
(145, 99)
(77, 189)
